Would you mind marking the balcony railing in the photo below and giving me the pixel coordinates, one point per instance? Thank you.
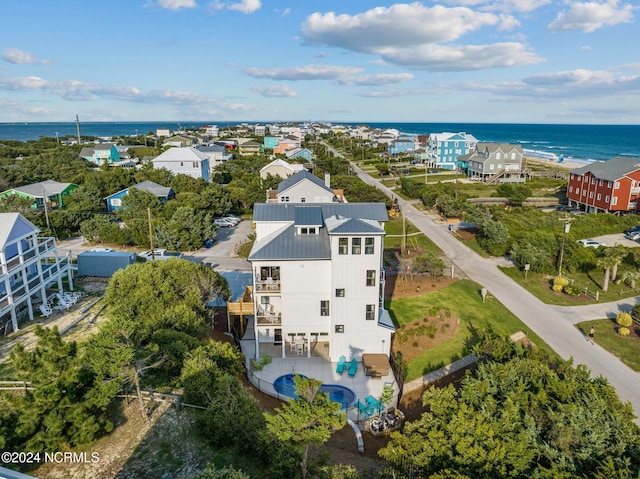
(635, 191)
(268, 285)
(269, 319)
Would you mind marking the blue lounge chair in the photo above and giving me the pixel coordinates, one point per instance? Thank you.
(373, 404)
(353, 367)
(365, 411)
(342, 364)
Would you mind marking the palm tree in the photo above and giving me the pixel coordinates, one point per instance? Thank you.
(631, 278)
(607, 262)
(618, 253)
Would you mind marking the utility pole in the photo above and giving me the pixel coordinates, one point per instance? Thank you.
(57, 137)
(78, 129)
(46, 213)
(404, 232)
(567, 226)
(153, 256)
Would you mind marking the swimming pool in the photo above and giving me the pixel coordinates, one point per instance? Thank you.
(286, 386)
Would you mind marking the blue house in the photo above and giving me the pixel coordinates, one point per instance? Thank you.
(98, 154)
(270, 142)
(445, 148)
(300, 153)
(163, 193)
(403, 144)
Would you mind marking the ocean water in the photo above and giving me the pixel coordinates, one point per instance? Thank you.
(571, 142)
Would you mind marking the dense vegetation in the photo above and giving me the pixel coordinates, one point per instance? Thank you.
(517, 416)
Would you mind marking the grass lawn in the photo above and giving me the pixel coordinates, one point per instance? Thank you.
(394, 228)
(463, 299)
(539, 285)
(475, 246)
(627, 349)
(390, 182)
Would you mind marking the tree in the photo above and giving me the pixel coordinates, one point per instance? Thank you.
(617, 253)
(307, 420)
(60, 409)
(518, 416)
(606, 262)
(211, 472)
(493, 237)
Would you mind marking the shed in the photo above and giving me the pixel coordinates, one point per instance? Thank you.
(375, 365)
(103, 264)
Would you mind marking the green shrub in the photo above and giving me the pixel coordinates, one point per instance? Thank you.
(571, 290)
(624, 319)
(624, 331)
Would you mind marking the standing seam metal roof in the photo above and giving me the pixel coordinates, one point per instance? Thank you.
(610, 170)
(286, 211)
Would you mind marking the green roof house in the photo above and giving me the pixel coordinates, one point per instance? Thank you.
(54, 191)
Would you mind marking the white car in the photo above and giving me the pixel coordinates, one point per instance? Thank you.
(158, 253)
(591, 243)
(102, 250)
(232, 217)
(224, 222)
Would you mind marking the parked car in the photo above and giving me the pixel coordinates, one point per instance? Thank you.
(159, 253)
(633, 229)
(224, 222)
(591, 243)
(102, 250)
(433, 172)
(633, 236)
(232, 217)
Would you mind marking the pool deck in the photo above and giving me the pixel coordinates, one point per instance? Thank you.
(321, 369)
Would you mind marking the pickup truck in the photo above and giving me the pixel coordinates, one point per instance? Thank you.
(159, 254)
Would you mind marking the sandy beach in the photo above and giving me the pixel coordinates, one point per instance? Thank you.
(565, 164)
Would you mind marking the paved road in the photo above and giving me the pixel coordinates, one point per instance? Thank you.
(554, 324)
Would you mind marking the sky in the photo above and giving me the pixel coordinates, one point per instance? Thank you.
(485, 61)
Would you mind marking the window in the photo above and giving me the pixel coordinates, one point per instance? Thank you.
(371, 312)
(339, 292)
(599, 196)
(307, 231)
(616, 185)
(368, 245)
(614, 200)
(264, 300)
(571, 189)
(195, 164)
(324, 308)
(181, 164)
(303, 200)
(591, 194)
(371, 277)
(339, 328)
(593, 181)
(116, 202)
(606, 198)
(608, 184)
(497, 155)
(600, 183)
(356, 245)
(269, 272)
(343, 245)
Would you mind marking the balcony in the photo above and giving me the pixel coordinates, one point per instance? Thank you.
(269, 285)
(635, 191)
(268, 316)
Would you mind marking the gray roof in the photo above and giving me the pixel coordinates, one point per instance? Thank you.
(490, 148)
(211, 149)
(610, 170)
(286, 211)
(285, 244)
(355, 226)
(14, 225)
(42, 188)
(103, 146)
(301, 176)
(86, 151)
(308, 216)
(153, 188)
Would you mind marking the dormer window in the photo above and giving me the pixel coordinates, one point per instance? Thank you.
(307, 231)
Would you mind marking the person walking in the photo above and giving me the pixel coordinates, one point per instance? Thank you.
(592, 331)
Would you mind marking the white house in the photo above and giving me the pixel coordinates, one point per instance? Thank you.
(280, 168)
(28, 266)
(303, 187)
(186, 161)
(217, 154)
(318, 280)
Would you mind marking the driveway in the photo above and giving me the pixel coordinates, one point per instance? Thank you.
(554, 324)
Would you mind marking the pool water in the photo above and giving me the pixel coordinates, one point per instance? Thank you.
(286, 386)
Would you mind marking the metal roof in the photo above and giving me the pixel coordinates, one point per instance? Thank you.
(301, 176)
(285, 244)
(355, 225)
(153, 188)
(14, 225)
(307, 216)
(286, 211)
(42, 188)
(610, 170)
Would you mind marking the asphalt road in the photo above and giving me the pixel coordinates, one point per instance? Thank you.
(554, 324)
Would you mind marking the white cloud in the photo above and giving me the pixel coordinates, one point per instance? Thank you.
(13, 55)
(461, 58)
(177, 4)
(23, 83)
(305, 72)
(522, 6)
(413, 35)
(590, 16)
(275, 91)
(245, 6)
(376, 80)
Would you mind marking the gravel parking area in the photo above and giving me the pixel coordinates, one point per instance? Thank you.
(617, 239)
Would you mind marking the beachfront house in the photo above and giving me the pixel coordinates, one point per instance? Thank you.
(53, 191)
(404, 145)
(186, 161)
(494, 163)
(163, 193)
(606, 186)
(28, 266)
(101, 153)
(445, 148)
(280, 168)
(318, 281)
(299, 153)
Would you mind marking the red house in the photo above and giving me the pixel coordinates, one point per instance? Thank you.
(606, 186)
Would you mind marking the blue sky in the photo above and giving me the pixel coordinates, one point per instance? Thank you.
(503, 61)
